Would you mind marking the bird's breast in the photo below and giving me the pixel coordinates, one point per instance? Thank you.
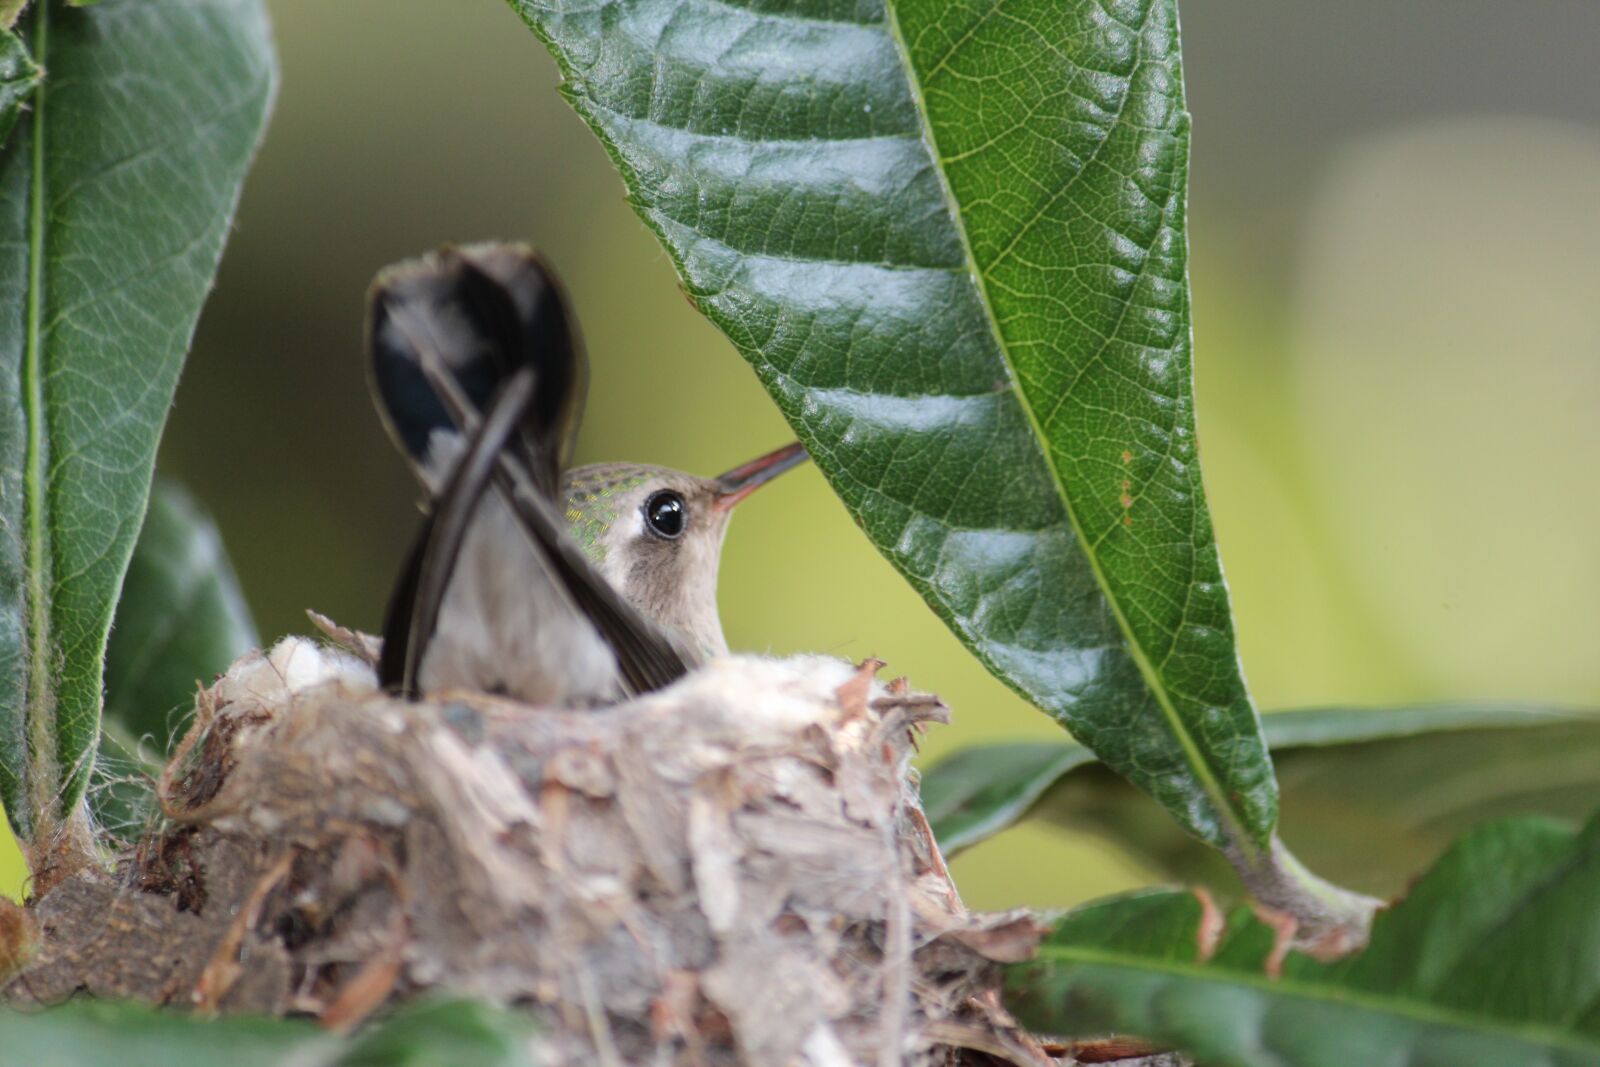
(506, 625)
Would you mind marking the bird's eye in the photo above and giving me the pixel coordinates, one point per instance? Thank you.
(666, 513)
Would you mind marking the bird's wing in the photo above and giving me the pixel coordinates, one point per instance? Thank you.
(454, 356)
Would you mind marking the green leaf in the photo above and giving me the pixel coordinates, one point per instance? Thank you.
(18, 76)
(444, 1034)
(1368, 794)
(430, 1034)
(953, 248)
(115, 195)
(1493, 959)
(977, 792)
(181, 619)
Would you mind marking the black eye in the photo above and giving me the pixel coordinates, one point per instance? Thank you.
(666, 514)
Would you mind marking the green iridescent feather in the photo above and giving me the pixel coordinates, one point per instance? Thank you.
(593, 502)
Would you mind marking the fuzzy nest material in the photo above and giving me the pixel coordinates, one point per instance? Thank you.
(732, 870)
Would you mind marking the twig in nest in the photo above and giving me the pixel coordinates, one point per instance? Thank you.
(224, 969)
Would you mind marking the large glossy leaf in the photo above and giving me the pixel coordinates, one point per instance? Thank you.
(437, 1034)
(181, 620)
(1493, 959)
(115, 193)
(950, 240)
(1369, 795)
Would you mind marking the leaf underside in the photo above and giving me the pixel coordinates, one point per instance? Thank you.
(115, 193)
(950, 240)
(1370, 795)
(1492, 959)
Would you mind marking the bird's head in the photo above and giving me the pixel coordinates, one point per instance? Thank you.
(656, 535)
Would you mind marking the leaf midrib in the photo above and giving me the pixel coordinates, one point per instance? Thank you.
(1231, 824)
(41, 769)
(1323, 993)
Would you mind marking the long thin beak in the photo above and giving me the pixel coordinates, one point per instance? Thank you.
(733, 486)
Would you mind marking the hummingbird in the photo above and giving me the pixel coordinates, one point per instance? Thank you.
(557, 587)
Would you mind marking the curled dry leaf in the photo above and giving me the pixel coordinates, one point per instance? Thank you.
(364, 646)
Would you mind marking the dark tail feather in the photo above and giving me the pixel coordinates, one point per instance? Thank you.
(397, 647)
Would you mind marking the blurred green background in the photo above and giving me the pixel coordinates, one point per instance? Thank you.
(1395, 213)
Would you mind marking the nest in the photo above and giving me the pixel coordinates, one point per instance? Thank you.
(734, 870)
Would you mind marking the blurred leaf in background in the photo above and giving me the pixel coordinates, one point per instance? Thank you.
(181, 620)
(1374, 794)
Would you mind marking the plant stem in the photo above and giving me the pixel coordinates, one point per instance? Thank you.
(1325, 915)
